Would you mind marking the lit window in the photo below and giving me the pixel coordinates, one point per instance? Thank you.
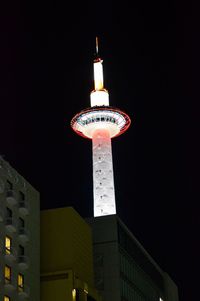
(7, 274)
(20, 282)
(74, 294)
(8, 244)
(160, 299)
(6, 298)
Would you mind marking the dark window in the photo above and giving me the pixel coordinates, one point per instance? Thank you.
(77, 295)
(21, 250)
(89, 298)
(21, 223)
(21, 196)
(8, 212)
(9, 185)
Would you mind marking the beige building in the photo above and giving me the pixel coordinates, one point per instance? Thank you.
(66, 257)
(19, 237)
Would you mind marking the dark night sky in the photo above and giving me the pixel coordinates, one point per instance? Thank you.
(151, 69)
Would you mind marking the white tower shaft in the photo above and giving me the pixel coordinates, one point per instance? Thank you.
(103, 181)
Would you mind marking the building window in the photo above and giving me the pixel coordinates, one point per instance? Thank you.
(8, 243)
(74, 294)
(21, 250)
(21, 196)
(7, 274)
(9, 185)
(21, 223)
(6, 298)
(8, 212)
(20, 282)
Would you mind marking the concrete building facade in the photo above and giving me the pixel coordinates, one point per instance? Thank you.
(124, 271)
(66, 257)
(19, 237)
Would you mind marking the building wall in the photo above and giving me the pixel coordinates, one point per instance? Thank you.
(141, 278)
(64, 285)
(122, 264)
(57, 286)
(106, 256)
(20, 199)
(66, 255)
(134, 282)
(57, 289)
(171, 290)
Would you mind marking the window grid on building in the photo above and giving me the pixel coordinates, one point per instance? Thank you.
(131, 247)
(135, 276)
(128, 293)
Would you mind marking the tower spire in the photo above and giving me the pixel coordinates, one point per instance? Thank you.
(98, 73)
(97, 46)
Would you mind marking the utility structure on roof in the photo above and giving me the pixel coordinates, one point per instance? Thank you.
(101, 122)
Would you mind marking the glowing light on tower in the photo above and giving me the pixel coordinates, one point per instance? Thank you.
(101, 122)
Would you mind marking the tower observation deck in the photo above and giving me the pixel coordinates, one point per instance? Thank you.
(101, 122)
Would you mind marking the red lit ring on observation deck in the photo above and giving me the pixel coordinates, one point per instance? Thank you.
(100, 115)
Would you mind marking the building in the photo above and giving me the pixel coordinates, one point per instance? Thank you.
(100, 123)
(124, 271)
(19, 237)
(66, 257)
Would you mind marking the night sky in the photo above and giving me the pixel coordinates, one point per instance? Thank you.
(151, 70)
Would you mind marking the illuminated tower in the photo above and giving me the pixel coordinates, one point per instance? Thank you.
(101, 122)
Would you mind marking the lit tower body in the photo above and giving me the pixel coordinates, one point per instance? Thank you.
(101, 122)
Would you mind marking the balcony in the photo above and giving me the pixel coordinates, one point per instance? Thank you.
(11, 197)
(23, 235)
(23, 292)
(23, 262)
(9, 286)
(11, 224)
(23, 207)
